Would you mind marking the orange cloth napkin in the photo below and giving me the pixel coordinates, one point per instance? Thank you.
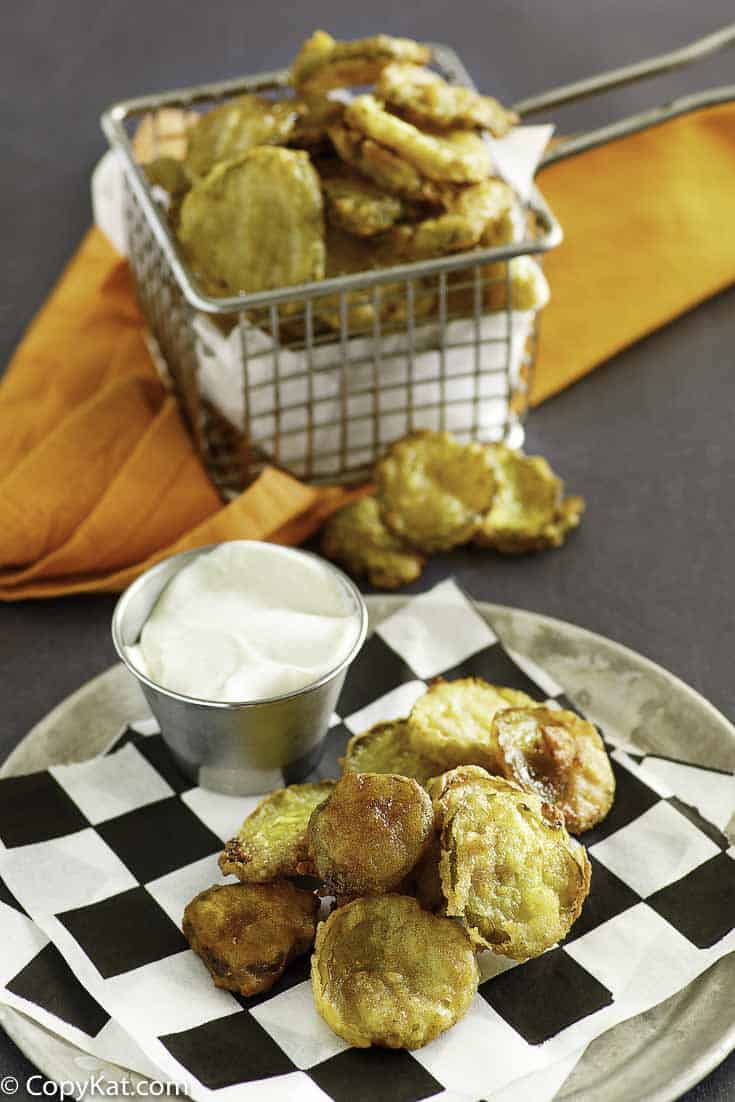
(98, 477)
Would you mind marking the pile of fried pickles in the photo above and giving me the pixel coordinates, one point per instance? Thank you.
(448, 834)
(434, 493)
(268, 192)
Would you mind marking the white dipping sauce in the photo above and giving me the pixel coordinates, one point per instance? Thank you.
(245, 622)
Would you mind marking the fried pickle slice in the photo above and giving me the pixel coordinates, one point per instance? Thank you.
(509, 869)
(476, 213)
(273, 840)
(385, 748)
(529, 288)
(240, 124)
(388, 169)
(370, 832)
(355, 203)
(256, 222)
(529, 511)
(356, 537)
(315, 115)
(455, 156)
(453, 721)
(433, 490)
(347, 254)
(562, 758)
(426, 99)
(323, 63)
(247, 934)
(385, 972)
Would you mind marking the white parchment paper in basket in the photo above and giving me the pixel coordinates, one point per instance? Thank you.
(104, 855)
(481, 365)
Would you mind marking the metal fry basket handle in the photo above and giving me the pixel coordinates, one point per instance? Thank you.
(629, 74)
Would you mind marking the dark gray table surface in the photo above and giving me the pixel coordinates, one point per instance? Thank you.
(647, 438)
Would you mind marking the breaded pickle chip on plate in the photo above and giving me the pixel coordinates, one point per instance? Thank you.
(356, 204)
(256, 222)
(323, 63)
(453, 721)
(246, 934)
(426, 99)
(356, 537)
(508, 867)
(455, 156)
(561, 757)
(433, 489)
(529, 511)
(385, 972)
(385, 748)
(370, 833)
(273, 840)
(235, 127)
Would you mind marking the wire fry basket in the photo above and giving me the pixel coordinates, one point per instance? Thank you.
(319, 378)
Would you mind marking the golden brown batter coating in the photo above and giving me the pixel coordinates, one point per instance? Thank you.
(370, 833)
(385, 972)
(508, 867)
(453, 721)
(529, 511)
(474, 214)
(356, 537)
(562, 758)
(455, 156)
(433, 490)
(236, 126)
(255, 223)
(247, 934)
(426, 99)
(273, 840)
(323, 62)
(385, 748)
(355, 203)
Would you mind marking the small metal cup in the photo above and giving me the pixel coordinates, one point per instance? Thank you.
(246, 748)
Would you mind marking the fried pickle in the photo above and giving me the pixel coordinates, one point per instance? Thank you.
(356, 537)
(347, 254)
(324, 63)
(256, 222)
(433, 490)
(529, 289)
(385, 972)
(246, 934)
(236, 126)
(369, 834)
(456, 156)
(315, 115)
(453, 721)
(426, 99)
(388, 169)
(356, 204)
(509, 869)
(561, 757)
(169, 174)
(478, 212)
(529, 511)
(385, 748)
(273, 840)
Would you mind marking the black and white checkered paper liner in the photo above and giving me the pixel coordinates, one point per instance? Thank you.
(102, 857)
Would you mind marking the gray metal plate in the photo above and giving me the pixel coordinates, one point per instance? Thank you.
(652, 1058)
